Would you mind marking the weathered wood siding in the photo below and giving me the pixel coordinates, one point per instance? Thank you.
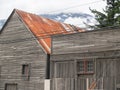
(64, 69)
(18, 46)
(101, 46)
(106, 70)
(100, 40)
(63, 84)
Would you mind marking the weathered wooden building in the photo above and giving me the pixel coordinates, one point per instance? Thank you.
(25, 48)
(86, 61)
(37, 53)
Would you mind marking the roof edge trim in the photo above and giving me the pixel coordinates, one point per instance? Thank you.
(6, 22)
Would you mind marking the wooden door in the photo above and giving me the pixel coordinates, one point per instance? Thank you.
(64, 69)
(63, 75)
(81, 84)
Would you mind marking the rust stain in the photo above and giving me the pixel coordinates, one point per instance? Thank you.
(43, 28)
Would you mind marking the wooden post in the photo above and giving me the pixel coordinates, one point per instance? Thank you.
(87, 83)
(75, 67)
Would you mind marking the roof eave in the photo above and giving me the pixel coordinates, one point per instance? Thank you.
(6, 22)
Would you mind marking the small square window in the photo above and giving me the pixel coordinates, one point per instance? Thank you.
(90, 66)
(81, 66)
(85, 67)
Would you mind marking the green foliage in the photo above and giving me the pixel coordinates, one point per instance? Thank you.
(110, 16)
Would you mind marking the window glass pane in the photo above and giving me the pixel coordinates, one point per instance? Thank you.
(85, 67)
(80, 66)
(90, 66)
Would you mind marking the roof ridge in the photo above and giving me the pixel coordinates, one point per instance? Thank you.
(43, 28)
(17, 10)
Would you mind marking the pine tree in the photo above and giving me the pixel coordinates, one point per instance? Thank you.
(110, 16)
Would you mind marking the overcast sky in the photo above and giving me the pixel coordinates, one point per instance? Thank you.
(49, 6)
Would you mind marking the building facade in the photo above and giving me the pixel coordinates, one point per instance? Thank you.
(25, 49)
(37, 53)
(22, 60)
(86, 61)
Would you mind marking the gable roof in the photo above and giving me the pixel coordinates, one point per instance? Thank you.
(43, 28)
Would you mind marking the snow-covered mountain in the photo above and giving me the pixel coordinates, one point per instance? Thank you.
(1, 23)
(77, 19)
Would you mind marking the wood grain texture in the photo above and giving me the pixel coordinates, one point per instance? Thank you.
(103, 47)
(18, 46)
(86, 42)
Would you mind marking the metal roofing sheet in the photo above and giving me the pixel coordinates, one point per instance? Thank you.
(43, 28)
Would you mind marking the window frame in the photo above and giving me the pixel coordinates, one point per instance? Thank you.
(5, 88)
(85, 67)
(25, 74)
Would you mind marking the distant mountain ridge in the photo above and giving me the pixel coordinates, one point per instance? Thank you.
(63, 16)
(2, 23)
(78, 19)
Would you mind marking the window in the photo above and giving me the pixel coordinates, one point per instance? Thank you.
(26, 71)
(90, 66)
(81, 66)
(85, 67)
(10, 86)
(118, 88)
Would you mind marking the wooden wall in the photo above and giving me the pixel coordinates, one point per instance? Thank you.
(101, 46)
(106, 68)
(18, 46)
(90, 41)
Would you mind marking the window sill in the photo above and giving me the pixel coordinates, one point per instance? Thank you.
(26, 77)
(85, 73)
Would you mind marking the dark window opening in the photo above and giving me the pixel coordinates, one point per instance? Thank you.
(26, 71)
(10, 86)
(85, 67)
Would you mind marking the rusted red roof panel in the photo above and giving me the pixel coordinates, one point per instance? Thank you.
(43, 28)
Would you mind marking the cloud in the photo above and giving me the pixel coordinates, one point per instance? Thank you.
(45, 6)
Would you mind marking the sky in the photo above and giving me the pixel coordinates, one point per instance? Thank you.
(49, 6)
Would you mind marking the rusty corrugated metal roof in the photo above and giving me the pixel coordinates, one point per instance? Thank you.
(43, 28)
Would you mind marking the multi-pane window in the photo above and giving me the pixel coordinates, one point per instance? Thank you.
(81, 66)
(85, 67)
(90, 66)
